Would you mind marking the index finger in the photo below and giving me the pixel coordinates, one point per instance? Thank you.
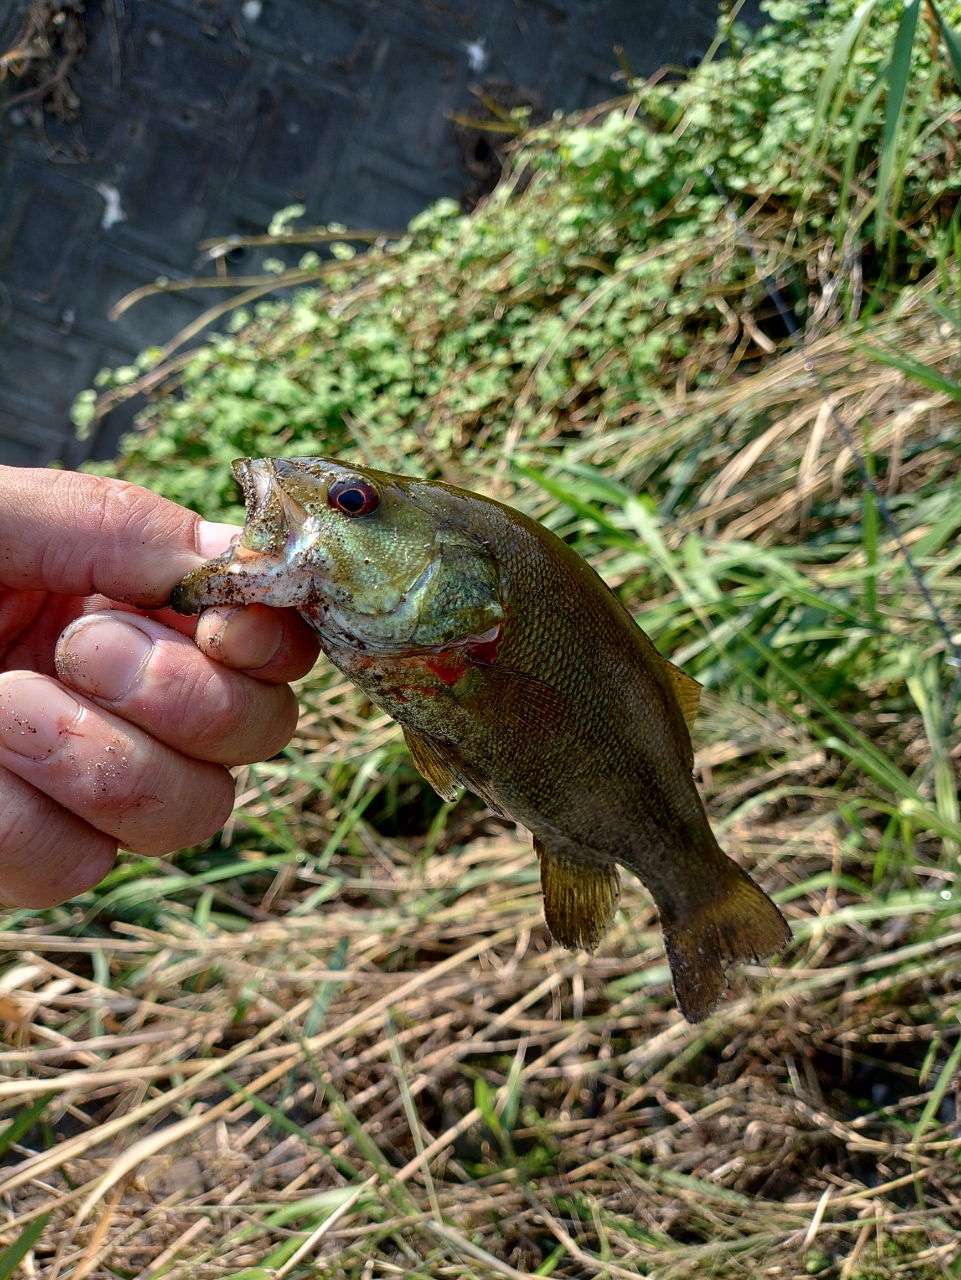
(81, 535)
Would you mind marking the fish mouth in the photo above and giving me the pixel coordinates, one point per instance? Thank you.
(291, 555)
(261, 567)
(275, 520)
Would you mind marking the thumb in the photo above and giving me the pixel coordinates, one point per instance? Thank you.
(80, 534)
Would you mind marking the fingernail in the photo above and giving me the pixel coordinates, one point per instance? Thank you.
(102, 655)
(213, 539)
(246, 638)
(36, 714)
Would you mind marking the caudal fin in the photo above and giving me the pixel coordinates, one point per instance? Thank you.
(579, 900)
(742, 924)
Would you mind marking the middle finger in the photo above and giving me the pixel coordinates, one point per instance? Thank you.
(107, 771)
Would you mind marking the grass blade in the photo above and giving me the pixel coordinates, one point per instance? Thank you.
(143, 891)
(924, 688)
(837, 74)
(945, 312)
(916, 369)
(324, 995)
(898, 76)
(15, 1253)
(23, 1123)
(908, 141)
(265, 1109)
(870, 539)
(861, 117)
(410, 1111)
(945, 1079)
(952, 42)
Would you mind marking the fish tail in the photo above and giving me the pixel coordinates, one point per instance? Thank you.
(579, 900)
(739, 925)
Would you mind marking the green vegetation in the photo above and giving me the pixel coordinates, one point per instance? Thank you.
(601, 279)
(354, 974)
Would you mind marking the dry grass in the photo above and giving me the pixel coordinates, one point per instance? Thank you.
(360, 1056)
(389, 1070)
(762, 451)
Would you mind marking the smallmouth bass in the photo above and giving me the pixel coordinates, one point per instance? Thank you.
(514, 671)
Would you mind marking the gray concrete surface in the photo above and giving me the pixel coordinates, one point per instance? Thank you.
(203, 117)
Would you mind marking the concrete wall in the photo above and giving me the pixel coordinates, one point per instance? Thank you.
(201, 118)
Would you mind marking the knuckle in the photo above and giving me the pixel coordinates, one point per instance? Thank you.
(204, 697)
(109, 515)
(211, 713)
(266, 728)
(24, 814)
(122, 777)
(101, 509)
(204, 707)
(154, 799)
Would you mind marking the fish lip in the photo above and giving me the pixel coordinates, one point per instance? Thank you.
(261, 479)
(181, 602)
(209, 584)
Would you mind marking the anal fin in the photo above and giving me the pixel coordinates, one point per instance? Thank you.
(687, 691)
(579, 900)
(740, 925)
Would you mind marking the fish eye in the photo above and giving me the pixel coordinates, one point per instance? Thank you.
(353, 497)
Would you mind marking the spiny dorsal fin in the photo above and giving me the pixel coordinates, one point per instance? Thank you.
(579, 900)
(686, 690)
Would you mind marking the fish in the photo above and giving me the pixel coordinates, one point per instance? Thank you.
(515, 672)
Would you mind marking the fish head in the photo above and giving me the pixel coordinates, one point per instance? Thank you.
(367, 557)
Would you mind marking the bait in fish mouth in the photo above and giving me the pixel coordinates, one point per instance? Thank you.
(516, 672)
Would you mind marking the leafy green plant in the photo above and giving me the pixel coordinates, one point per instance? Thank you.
(610, 285)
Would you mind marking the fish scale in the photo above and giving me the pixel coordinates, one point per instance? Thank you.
(515, 672)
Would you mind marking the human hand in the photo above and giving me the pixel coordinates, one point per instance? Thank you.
(118, 717)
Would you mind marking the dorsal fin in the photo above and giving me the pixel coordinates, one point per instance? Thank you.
(686, 690)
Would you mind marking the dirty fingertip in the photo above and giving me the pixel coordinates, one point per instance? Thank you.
(247, 637)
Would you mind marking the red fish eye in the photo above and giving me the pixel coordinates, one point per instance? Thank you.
(353, 497)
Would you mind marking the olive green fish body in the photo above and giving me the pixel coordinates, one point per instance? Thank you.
(517, 673)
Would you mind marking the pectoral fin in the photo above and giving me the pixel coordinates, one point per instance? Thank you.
(579, 900)
(513, 701)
